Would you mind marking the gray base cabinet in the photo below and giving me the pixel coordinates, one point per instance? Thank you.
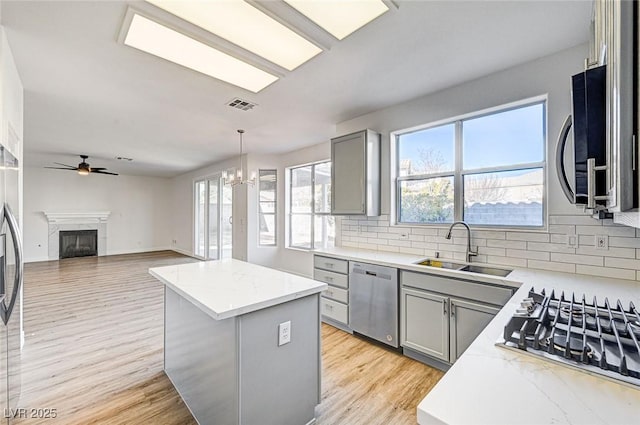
(440, 317)
(233, 371)
(467, 320)
(420, 308)
(334, 303)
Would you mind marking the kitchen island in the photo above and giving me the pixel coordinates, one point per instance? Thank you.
(226, 349)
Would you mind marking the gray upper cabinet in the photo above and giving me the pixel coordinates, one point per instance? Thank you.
(355, 174)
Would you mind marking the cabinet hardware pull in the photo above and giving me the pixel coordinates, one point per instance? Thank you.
(329, 278)
(453, 310)
(329, 265)
(444, 307)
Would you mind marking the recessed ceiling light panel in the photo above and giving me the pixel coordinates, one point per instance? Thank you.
(340, 17)
(244, 25)
(152, 37)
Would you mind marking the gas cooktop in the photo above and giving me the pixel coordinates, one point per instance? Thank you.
(596, 338)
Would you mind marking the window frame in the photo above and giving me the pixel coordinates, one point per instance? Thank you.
(273, 171)
(312, 214)
(459, 172)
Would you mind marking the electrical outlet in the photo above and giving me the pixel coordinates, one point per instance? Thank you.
(602, 242)
(404, 235)
(572, 241)
(284, 333)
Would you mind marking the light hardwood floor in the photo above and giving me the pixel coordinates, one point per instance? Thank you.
(93, 352)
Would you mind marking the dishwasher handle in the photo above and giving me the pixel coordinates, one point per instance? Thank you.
(370, 273)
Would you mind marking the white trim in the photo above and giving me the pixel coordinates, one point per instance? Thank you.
(77, 217)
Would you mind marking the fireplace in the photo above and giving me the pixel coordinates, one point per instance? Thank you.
(76, 221)
(78, 243)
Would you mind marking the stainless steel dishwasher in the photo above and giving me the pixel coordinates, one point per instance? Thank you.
(373, 302)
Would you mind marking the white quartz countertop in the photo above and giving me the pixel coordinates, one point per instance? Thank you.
(494, 385)
(228, 288)
(407, 262)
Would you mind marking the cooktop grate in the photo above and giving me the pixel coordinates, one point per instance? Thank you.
(602, 339)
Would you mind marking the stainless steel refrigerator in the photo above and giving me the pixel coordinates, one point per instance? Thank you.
(11, 267)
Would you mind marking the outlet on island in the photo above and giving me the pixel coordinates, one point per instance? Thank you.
(284, 333)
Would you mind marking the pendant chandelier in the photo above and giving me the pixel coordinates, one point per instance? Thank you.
(236, 177)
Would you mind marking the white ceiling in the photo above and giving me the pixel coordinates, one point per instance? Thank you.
(86, 93)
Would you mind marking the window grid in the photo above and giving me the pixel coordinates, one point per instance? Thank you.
(460, 172)
(313, 213)
(263, 215)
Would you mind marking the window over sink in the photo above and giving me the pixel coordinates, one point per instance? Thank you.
(486, 168)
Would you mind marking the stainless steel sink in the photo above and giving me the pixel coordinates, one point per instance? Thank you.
(472, 268)
(440, 264)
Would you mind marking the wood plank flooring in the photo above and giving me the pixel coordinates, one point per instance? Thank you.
(93, 352)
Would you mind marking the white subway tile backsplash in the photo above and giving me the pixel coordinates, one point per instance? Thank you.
(620, 242)
(550, 265)
(424, 245)
(622, 263)
(549, 247)
(487, 234)
(626, 232)
(588, 240)
(452, 248)
(533, 237)
(491, 251)
(583, 220)
(530, 255)
(424, 231)
(387, 248)
(611, 252)
(397, 242)
(606, 272)
(577, 259)
(539, 250)
(506, 261)
(563, 229)
(506, 244)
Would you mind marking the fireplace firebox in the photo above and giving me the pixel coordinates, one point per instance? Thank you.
(78, 243)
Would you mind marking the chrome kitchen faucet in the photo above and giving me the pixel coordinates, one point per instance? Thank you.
(470, 252)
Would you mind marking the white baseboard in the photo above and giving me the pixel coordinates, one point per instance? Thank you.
(137, 250)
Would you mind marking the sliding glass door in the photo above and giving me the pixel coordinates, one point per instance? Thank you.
(213, 222)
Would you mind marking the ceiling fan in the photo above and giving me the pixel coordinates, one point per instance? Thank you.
(83, 168)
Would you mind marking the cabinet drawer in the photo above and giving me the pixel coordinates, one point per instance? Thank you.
(331, 278)
(331, 264)
(337, 294)
(334, 310)
(459, 288)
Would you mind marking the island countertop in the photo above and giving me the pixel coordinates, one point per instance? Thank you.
(228, 288)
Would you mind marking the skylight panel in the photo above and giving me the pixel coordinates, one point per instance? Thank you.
(340, 17)
(246, 26)
(158, 40)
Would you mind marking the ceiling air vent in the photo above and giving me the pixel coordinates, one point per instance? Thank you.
(243, 105)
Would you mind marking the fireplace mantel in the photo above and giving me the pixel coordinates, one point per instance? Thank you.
(77, 217)
(86, 220)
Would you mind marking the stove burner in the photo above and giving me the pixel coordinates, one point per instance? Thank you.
(576, 311)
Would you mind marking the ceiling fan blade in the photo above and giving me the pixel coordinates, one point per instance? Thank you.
(60, 168)
(98, 168)
(70, 166)
(93, 170)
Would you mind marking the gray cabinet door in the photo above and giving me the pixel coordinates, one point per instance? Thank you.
(425, 323)
(467, 321)
(348, 191)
